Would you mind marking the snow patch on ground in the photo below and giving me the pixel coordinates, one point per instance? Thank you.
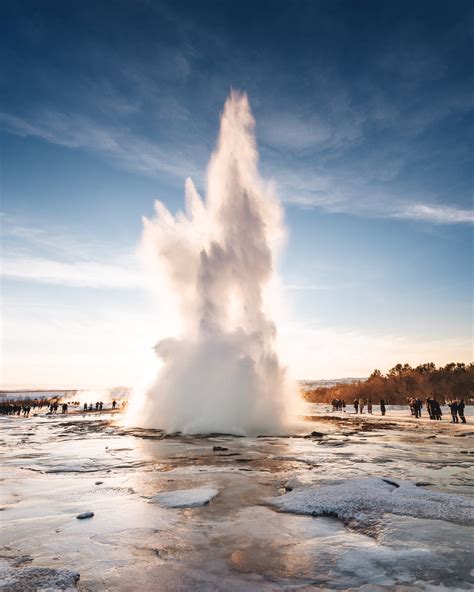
(367, 500)
(185, 498)
(30, 579)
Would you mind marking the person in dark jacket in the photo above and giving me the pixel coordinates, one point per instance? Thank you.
(454, 411)
(429, 408)
(461, 406)
(382, 406)
(417, 406)
(356, 406)
(436, 407)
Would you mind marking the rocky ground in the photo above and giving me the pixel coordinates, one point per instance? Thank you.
(351, 503)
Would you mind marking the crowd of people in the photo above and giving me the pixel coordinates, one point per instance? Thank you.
(338, 405)
(99, 405)
(359, 405)
(15, 408)
(434, 411)
(433, 408)
(23, 407)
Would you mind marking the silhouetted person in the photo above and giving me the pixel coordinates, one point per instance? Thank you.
(64, 408)
(91, 408)
(382, 406)
(114, 404)
(461, 406)
(100, 405)
(429, 408)
(454, 411)
(356, 406)
(417, 405)
(436, 409)
(369, 406)
(85, 406)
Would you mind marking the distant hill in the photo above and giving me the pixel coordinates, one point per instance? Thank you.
(329, 382)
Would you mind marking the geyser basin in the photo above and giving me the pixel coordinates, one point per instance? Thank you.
(215, 262)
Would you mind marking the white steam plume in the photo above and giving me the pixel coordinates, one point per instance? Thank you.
(220, 372)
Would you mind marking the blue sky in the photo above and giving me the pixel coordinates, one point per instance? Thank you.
(364, 117)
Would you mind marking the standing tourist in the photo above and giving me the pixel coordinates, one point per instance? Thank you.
(454, 411)
(436, 407)
(429, 408)
(417, 405)
(461, 406)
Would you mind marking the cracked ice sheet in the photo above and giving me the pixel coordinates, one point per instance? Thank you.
(185, 498)
(367, 500)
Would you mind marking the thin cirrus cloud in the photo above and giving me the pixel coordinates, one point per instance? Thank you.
(82, 274)
(117, 144)
(439, 214)
(53, 255)
(301, 185)
(348, 201)
(355, 195)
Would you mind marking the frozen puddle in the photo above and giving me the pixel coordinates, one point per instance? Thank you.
(367, 500)
(185, 498)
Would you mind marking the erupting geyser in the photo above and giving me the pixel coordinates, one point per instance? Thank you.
(220, 372)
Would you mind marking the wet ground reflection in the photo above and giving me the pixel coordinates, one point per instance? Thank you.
(55, 468)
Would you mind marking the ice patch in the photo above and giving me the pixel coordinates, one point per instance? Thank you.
(185, 498)
(367, 500)
(29, 579)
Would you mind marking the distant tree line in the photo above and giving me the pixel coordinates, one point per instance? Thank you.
(446, 383)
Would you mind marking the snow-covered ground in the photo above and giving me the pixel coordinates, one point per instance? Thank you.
(185, 498)
(370, 499)
(364, 503)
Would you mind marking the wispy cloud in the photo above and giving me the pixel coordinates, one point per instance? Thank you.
(83, 274)
(114, 142)
(54, 256)
(362, 195)
(36, 237)
(439, 214)
(363, 185)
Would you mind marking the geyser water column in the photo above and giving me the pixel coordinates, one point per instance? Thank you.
(219, 371)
